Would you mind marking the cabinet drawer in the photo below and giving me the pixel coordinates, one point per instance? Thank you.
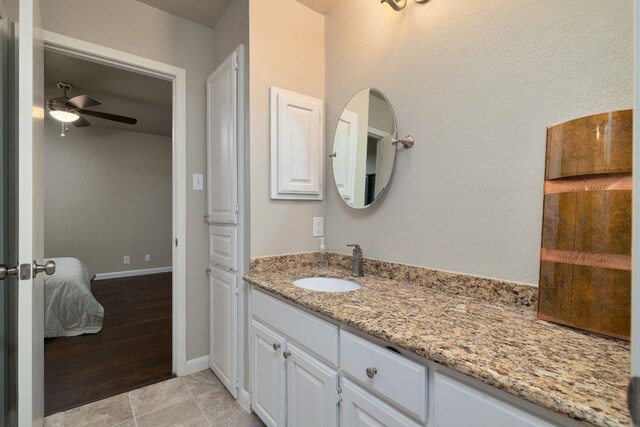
(480, 408)
(316, 335)
(223, 246)
(397, 378)
(361, 408)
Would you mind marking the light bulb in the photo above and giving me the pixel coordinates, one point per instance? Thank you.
(64, 116)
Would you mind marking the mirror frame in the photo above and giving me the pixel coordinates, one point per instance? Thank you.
(395, 137)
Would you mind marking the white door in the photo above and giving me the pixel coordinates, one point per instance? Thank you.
(361, 409)
(30, 214)
(344, 153)
(225, 231)
(312, 389)
(268, 388)
(223, 294)
(222, 142)
(29, 108)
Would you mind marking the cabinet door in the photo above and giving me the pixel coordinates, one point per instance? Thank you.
(223, 299)
(480, 409)
(362, 409)
(268, 393)
(222, 142)
(311, 391)
(296, 146)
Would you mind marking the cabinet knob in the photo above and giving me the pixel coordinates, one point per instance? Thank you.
(276, 345)
(371, 372)
(286, 354)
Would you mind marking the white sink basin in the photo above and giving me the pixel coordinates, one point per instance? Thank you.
(326, 284)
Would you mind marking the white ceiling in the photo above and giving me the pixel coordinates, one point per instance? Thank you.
(207, 12)
(321, 6)
(148, 99)
(204, 12)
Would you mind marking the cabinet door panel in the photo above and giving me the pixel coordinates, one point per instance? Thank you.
(223, 303)
(480, 409)
(311, 391)
(222, 142)
(361, 409)
(268, 393)
(296, 146)
(223, 246)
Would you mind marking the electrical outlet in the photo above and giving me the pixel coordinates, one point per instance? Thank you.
(318, 226)
(127, 260)
(147, 257)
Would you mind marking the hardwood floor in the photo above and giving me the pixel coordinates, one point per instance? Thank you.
(132, 350)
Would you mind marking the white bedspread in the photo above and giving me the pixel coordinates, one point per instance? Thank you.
(69, 306)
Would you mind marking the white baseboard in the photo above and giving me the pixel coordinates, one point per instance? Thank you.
(118, 274)
(196, 365)
(244, 400)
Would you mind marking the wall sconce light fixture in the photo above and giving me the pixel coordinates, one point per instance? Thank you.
(398, 5)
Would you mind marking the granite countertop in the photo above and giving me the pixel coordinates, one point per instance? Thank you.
(577, 374)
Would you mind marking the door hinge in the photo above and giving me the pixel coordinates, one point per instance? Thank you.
(206, 218)
(339, 396)
(236, 66)
(633, 399)
(237, 209)
(208, 271)
(176, 242)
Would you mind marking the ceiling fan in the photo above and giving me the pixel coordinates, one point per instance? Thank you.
(72, 110)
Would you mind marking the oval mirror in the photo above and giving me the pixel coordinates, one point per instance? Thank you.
(363, 154)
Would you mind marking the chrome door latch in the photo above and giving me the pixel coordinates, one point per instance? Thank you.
(25, 271)
(633, 399)
(6, 271)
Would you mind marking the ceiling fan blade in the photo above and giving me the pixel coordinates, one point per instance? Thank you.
(83, 101)
(81, 123)
(108, 116)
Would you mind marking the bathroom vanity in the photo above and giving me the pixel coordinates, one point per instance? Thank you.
(413, 353)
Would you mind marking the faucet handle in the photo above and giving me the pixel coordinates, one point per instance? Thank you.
(355, 246)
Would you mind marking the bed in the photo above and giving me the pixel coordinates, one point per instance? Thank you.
(69, 306)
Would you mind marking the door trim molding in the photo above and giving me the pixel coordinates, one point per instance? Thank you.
(178, 76)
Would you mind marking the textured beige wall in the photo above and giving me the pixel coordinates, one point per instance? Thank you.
(142, 30)
(107, 194)
(287, 51)
(476, 84)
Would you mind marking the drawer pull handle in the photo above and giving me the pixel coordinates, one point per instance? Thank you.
(276, 345)
(371, 372)
(286, 354)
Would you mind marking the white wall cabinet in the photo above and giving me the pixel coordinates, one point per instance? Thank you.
(297, 163)
(222, 142)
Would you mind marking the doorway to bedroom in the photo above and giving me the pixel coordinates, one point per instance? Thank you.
(108, 226)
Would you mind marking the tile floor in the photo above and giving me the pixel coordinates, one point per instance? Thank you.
(196, 400)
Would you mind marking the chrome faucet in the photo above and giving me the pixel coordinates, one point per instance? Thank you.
(356, 259)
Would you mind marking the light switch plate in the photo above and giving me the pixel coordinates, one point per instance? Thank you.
(126, 259)
(147, 257)
(198, 181)
(318, 226)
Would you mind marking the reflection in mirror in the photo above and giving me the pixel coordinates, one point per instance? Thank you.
(363, 153)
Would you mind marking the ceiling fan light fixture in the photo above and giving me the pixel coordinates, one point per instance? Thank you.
(64, 115)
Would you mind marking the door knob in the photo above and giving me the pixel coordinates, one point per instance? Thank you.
(5, 271)
(49, 268)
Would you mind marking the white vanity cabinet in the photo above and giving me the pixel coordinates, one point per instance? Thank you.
(293, 379)
(306, 371)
